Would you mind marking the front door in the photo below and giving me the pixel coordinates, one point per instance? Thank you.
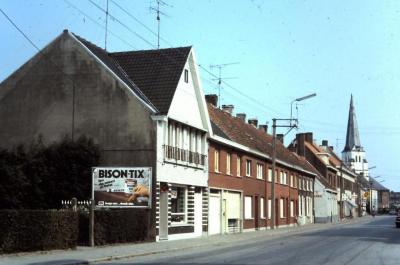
(256, 213)
(163, 226)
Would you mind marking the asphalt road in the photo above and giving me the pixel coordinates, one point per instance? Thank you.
(368, 243)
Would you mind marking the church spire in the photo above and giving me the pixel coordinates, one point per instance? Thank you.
(352, 136)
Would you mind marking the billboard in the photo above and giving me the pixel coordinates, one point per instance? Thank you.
(122, 187)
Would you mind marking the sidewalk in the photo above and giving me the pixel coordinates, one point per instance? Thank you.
(86, 255)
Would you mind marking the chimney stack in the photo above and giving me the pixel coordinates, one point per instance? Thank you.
(228, 108)
(241, 116)
(263, 127)
(309, 137)
(300, 140)
(324, 143)
(279, 137)
(253, 122)
(212, 99)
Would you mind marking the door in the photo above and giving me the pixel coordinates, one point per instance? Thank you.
(276, 212)
(214, 224)
(256, 213)
(198, 213)
(163, 226)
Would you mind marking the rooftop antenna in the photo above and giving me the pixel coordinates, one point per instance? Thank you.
(220, 78)
(157, 10)
(105, 37)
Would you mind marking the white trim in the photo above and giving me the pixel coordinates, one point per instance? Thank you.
(249, 150)
(112, 72)
(159, 118)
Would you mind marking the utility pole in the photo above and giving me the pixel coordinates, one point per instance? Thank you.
(274, 126)
(220, 78)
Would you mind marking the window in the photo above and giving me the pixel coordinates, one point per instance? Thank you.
(216, 161)
(248, 207)
(186, 76)
(260, 171)
(291, 208)
(276, 176)
(269, 208)
(269, 174)
(283, 178)
(238, 166)
(228, 164)
(178, 205)
(248, 168)
(281, 208)
(291, 180)
(262, 210)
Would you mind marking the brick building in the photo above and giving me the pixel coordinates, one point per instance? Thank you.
(240, 174)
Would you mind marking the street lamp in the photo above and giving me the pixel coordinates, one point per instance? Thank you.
(274, 126)
(297, 100)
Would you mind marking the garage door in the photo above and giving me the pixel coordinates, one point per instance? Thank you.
(214, 225)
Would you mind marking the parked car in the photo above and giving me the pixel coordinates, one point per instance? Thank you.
(398, 220)
(393, 212)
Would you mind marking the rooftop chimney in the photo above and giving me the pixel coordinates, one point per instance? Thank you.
(228, 108)
(263, 127)
(212, 99)
(309, 137)
(241, 116)
(279, 137)
(253, 122)
(324, 143)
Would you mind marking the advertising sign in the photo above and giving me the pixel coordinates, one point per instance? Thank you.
(122, 187)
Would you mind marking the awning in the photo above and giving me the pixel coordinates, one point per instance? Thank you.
(352, 204)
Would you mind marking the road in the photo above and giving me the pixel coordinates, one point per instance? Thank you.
(367, 243)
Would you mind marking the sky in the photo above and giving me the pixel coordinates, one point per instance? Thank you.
(275, 51)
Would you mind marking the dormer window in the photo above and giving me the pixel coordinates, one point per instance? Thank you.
(186, 76)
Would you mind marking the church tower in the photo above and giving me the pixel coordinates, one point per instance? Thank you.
(353, 153)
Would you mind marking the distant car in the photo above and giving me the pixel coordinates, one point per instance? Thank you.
(393, 212)
(398, 221)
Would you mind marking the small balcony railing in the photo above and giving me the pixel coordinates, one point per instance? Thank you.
(178, 154)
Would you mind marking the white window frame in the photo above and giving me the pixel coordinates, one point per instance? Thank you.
(228, 163)
(291, 208)
(238, 166)
(260, 171)
(281, 208)
(262, 207)
(269, 208)
(270, 174)
(248, 168)
(248, 207)
(216, 161)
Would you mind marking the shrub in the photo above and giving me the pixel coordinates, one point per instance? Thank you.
(32, 230)
(121, 226)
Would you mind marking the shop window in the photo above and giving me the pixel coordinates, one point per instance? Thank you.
(178, 205)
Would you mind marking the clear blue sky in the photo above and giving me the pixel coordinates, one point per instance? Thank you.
(285, 50)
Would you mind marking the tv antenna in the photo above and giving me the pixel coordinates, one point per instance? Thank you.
(105, 37)
(156, 9)
(220, 78)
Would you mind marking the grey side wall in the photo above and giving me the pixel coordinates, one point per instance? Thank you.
(68, 92)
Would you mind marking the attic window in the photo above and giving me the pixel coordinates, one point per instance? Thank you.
(186, 76)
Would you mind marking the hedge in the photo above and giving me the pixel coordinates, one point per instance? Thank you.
(32, 230)
(115, 226)
(121, 226)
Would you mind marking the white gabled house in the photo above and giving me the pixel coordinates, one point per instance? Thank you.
(144, 109)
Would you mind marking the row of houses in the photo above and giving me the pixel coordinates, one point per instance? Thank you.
(212, 170)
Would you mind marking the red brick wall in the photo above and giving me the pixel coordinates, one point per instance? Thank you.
(251, 186)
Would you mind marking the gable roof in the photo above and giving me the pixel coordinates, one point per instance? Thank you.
(234, 129)
(153, 75)
(376, 185)
(155, 72)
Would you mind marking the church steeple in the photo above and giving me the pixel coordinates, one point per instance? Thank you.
(353, 153)
(352, 136)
